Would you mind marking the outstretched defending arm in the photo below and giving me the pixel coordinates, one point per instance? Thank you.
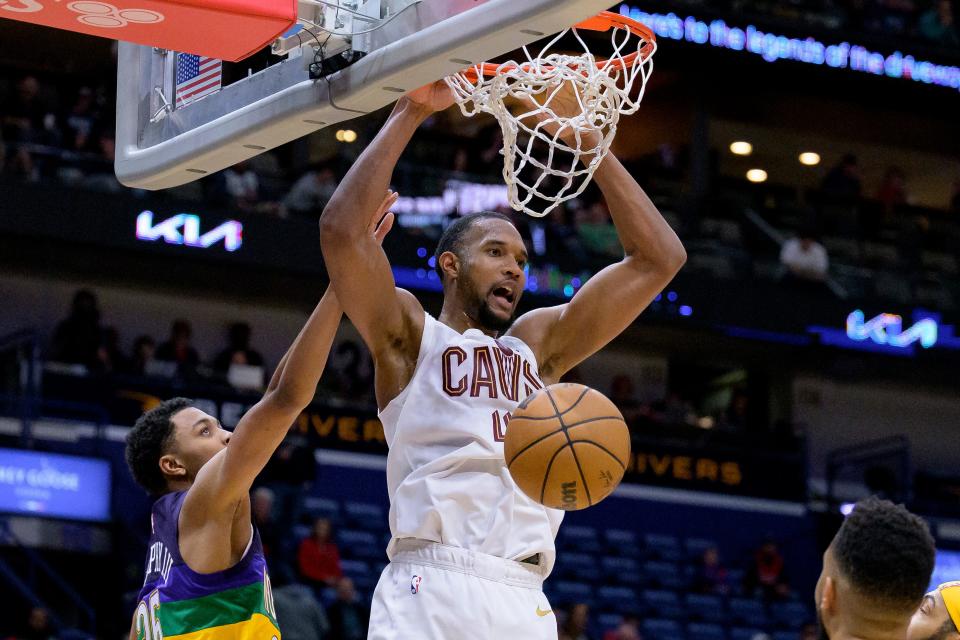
(227, 478)
(563, 336)
(390, 320)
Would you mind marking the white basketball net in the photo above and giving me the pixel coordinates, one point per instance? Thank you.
(550, 157)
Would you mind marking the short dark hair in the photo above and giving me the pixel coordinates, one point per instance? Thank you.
(886, 552)
(149, 440)
(453, 235)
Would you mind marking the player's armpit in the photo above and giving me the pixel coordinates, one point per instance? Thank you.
(389, 319)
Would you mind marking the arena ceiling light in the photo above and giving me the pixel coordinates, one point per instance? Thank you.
(810, 158)
(741, 148)
(346, 135)
(757, 175)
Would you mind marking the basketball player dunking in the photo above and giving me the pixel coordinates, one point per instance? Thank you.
(206, 577)
(469, 551)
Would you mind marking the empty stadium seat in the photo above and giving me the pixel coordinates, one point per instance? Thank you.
(622, 542)
(666, 604)
(790, 615)
(663, 547)
(355, 568)
(301, 531)
(567, 592)
(581, 566)
(621, 599)
(744, 633)
(607, 620)
(659, 629)
(583, 539)
(621, 570)
(696, 546)
(316, 507)
(705, 631)
(362, 514)
(360, 544)
(708, 608)
(664, 574)
(749, 611)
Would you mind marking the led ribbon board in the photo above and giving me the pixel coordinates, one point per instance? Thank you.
(772, 47)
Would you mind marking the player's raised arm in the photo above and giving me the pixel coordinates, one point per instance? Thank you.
(229, 475)
(389, 320)
(563, 336)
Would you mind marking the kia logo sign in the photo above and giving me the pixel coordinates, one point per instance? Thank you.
(887, 328)
(184, 229)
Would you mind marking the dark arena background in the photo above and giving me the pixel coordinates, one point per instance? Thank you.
(807, 152)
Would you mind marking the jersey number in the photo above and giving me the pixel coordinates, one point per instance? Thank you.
(500, 425)
(148, 618)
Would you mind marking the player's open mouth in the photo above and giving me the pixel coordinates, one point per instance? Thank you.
(505, 296)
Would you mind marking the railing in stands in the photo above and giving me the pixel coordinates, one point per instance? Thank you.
(25, 347)
(28, 587)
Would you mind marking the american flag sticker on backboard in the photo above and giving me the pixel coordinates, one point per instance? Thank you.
(197, 76)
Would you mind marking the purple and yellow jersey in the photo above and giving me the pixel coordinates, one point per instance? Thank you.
(177, 603)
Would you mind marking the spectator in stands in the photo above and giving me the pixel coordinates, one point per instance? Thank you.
(77, 337)
(736, 418)
(299, 613)
(110, 357)
(80, 122)
(351, 372)
(318, 558)
(629, 629)
(597, 233)
(711, 576)
(289, 474)
(348, 616)
(144, 348)
(675, 409)
(804, 259)
(892, 193)
(238, 349)
(242, 186)
(178, 348)
(26, 120)
(843, 182)
(937, 24)
(310, 194)
(261, 508)
(890, 16)
(39, 626)
(576, 624)
(767, 574)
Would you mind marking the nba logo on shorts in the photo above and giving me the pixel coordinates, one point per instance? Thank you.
(415, 585)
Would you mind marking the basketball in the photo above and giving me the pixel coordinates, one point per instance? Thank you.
(567, 446)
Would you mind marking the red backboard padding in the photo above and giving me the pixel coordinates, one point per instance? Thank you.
(225, 29)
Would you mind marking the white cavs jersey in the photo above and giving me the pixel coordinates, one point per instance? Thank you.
(446, 473)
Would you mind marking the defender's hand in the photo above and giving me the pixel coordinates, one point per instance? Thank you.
(382, 221)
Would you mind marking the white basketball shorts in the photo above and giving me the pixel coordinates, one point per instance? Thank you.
(431, 591)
